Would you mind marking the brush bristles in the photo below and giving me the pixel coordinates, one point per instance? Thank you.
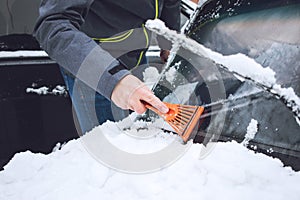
(182, 119)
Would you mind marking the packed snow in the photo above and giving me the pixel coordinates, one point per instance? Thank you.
(73, 173)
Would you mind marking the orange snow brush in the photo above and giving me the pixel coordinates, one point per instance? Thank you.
(182, 118)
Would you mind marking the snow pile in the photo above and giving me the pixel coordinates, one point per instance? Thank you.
(139, 137)
(72, 173)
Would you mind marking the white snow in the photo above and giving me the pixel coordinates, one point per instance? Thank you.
(10, 54)
(245, 66)
(41, 91)
(290, 96)
(58, 90)
(150, 76)
(172, 72)
(230, 171)
(140, 138)
(288, 93)
(251, 132)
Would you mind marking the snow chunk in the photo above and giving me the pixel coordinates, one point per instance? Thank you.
(13, 54)
(40, 91)
(171, 72)
(150, 76)
(251, 132)
(289, 95)
(58, 90)
(245, 66)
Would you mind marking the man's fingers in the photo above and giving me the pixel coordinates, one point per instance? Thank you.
(139, 107)
(129, 93)
(155, 102)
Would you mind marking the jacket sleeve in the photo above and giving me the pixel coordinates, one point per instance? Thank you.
(170, 15)
(58, 32)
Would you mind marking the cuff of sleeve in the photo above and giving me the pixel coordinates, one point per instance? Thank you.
(110, 78)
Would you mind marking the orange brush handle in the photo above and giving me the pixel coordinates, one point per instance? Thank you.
(171, 114)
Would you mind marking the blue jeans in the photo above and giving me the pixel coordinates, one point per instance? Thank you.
(91, 108)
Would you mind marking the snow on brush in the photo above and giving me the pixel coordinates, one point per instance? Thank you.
(72, 173)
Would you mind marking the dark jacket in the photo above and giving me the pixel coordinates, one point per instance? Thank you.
(65, 30)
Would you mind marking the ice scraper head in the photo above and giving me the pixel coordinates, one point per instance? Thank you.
(182, 118)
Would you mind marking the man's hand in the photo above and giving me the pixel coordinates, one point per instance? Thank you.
(129, 93)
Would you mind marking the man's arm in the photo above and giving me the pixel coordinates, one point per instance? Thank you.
(58, 32)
